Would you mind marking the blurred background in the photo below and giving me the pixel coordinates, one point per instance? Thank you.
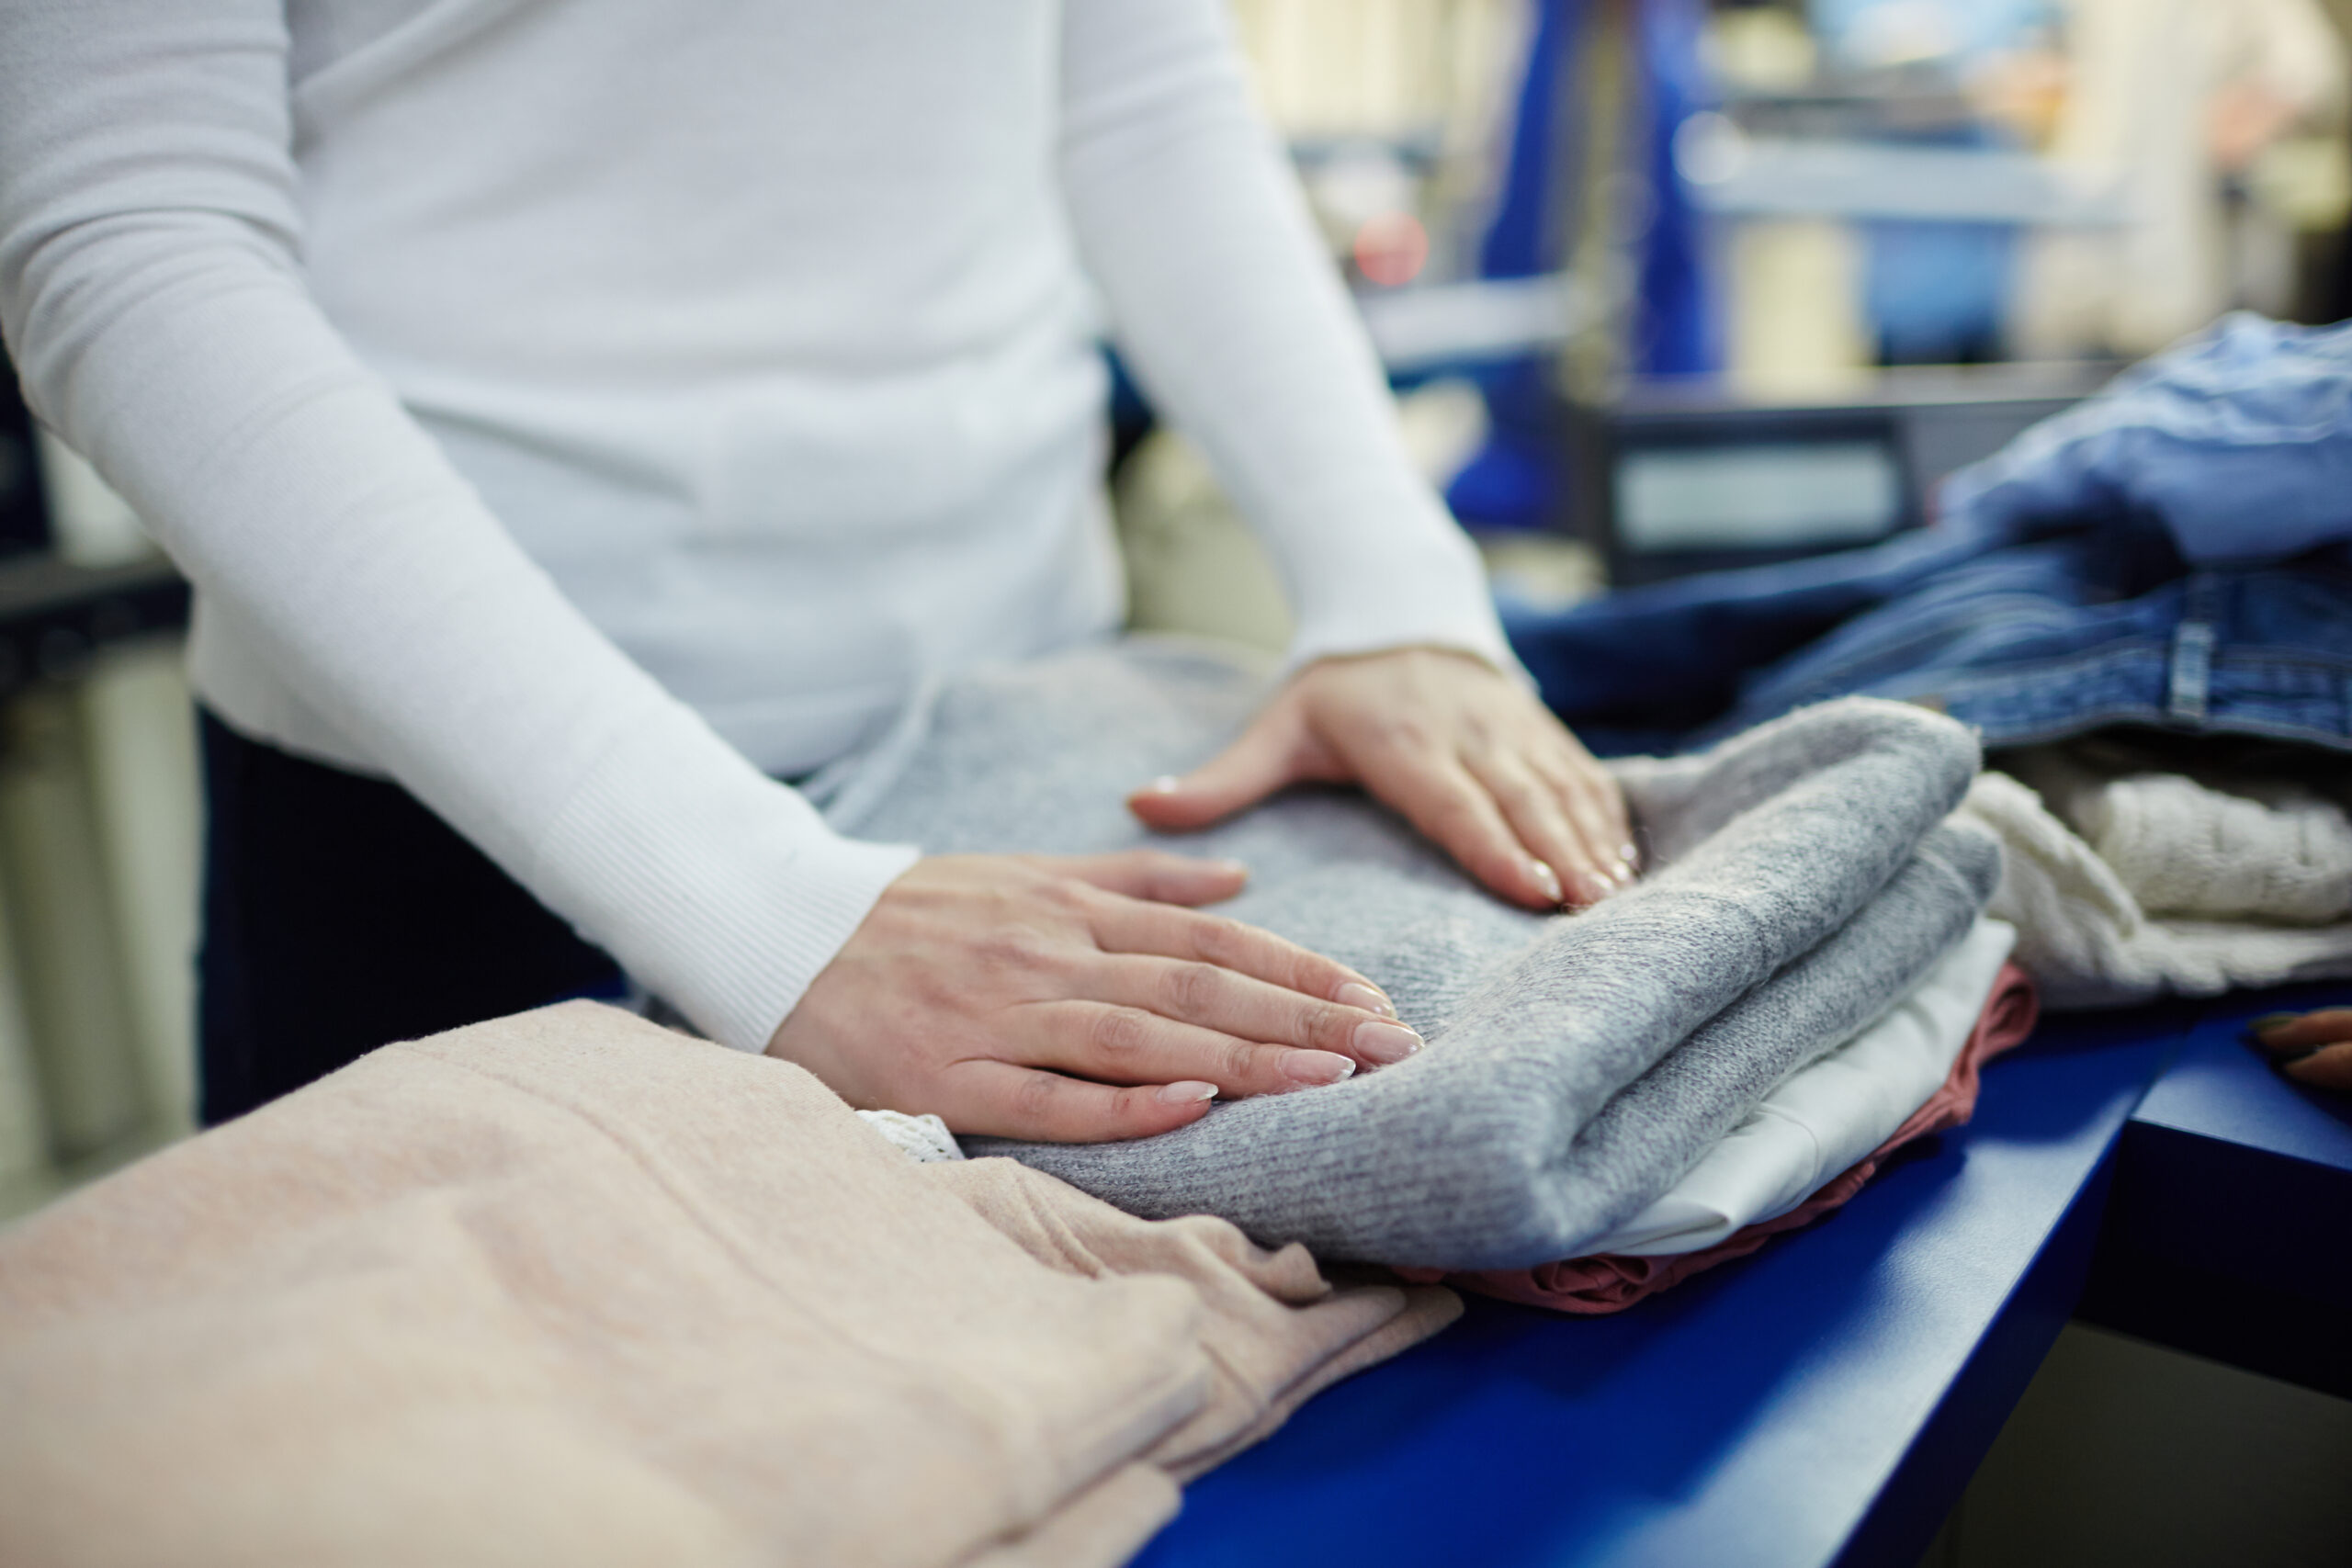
(1662, 285)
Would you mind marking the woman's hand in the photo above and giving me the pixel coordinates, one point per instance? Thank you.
(1463, 751)
(2313, 1047)
(1075, 999)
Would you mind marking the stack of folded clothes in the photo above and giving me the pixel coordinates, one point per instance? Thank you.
(1804, 885)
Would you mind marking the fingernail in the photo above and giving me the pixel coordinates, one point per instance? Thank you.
(1230, 867)
(1356, 994)
(1592, 887)
(1165, 783)
(1386, 1042)
(1316, 1067)
(1628, 854)
(1547, 881)
(1186, 1093)
(2270, 1021)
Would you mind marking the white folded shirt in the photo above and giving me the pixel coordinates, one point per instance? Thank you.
(1828, 1116)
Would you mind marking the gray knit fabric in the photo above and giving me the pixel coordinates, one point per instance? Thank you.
(1802, 879)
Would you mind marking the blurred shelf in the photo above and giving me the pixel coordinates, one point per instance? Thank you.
(1441, 326)
(1745, 177)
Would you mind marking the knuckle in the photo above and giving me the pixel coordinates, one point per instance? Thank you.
(1120, 1031)
(1239, 1059)
(1327, 1027)
(1068, 896)
(1037, 1095)
(1519, 792)
(1194, 988)
(1215, 939)
(1308, 974)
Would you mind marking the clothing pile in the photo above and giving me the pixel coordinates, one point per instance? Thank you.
(570, 1287)
(1800, 971)
(2131, 873)
(2143, 608)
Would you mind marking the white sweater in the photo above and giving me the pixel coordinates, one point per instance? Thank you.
(582, 410)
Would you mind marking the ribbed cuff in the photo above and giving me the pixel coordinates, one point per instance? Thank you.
(716, 887)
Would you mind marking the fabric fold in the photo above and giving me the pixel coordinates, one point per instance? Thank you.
(1828, 1115)
(2089, 941)
(569, 1287)
(1609, 1282)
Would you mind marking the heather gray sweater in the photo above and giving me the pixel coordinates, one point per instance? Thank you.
(1802, 879)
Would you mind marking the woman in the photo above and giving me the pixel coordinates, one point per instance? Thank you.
(577, 416)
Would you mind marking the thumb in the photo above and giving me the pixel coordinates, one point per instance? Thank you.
(1260, 761)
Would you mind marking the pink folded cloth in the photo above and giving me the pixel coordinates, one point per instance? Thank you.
(568, 1288)
(1611, 1283)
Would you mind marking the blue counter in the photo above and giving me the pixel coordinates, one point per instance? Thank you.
(1825, 1401)
(2230, 1232)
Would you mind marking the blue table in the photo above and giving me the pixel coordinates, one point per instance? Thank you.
(2229, 1182)
(1826, 1401)
(1823, 1402)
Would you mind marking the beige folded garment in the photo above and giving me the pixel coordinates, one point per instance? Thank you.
(567, 1287)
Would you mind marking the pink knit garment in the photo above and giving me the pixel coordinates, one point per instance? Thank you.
(1613, 1281)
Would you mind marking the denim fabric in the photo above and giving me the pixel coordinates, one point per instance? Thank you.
(2239, 441)
(2169, 554)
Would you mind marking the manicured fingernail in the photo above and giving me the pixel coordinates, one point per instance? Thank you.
(1628, 854)
(1230, 867)
(1356, 994)
(1316, 1067)
(1386, 1042)
(1186, 1093)
(1165, 783)
(1547, 881)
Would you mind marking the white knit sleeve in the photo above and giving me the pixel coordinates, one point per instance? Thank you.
(1193, 226)
(152, 289)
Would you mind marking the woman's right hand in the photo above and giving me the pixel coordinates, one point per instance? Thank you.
(1076, 999)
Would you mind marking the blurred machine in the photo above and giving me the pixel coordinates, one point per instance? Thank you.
(1689, 475)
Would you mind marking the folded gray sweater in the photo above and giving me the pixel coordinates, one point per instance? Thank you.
(1801, 879)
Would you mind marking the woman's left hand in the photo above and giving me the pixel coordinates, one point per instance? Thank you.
(1462, 750)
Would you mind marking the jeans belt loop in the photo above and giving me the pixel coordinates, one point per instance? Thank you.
(2192, 652)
